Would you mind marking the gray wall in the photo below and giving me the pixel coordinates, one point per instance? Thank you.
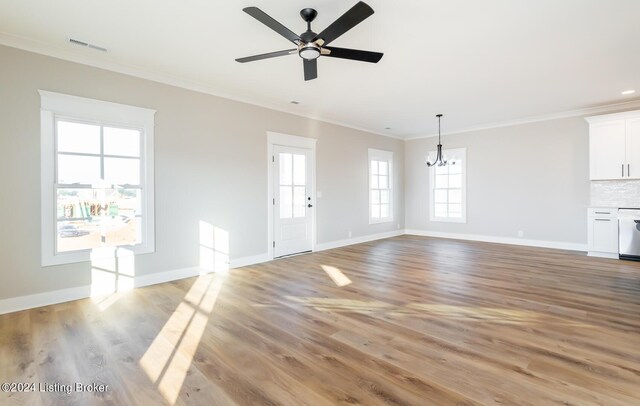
(211, 164)
(530, 177)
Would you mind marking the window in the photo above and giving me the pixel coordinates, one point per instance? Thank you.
(293, 185)
(97, 178)
(380, 186)
(447, 188)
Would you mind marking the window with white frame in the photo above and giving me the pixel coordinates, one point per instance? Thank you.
(380, 186)
(447, 187)
(97, 177)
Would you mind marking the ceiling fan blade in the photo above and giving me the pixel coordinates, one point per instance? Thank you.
(267, 55)
(347, 21)
(355, 54)
(310, 69)
(267, 20)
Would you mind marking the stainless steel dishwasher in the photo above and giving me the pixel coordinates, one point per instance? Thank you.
(629, 234)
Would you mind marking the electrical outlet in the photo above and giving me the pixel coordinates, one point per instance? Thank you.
(520, 233)
(349, 234)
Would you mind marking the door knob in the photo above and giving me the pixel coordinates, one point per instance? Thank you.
(309, 205)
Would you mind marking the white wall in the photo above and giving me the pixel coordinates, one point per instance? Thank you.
(211, 159)
(530, 177)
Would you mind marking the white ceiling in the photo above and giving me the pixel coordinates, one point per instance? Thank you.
(478, 62)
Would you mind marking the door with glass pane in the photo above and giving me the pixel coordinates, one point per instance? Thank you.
(292, 219)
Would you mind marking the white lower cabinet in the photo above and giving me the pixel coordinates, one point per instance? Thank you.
(603, 232)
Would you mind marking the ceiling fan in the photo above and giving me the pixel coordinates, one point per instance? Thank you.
(309, 45)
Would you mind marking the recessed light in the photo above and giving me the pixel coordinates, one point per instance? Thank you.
(630, 91)
(387, 128)
(294, 102)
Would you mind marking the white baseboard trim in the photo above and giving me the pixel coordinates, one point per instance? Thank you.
(604, 255)
(357, 240)
(15, 304)
(561, 245)
(252, 260)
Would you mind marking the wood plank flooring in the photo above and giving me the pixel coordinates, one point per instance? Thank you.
(402, 321)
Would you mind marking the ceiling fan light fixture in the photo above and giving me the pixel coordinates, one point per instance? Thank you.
(309, 51)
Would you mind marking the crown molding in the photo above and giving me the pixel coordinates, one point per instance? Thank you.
(608, 108)
(53, 51)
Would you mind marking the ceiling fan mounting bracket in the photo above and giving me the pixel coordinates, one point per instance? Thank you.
(308, 14)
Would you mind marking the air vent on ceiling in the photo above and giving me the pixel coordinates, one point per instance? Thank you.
(86, 44)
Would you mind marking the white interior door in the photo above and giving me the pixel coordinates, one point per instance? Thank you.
(292, 204)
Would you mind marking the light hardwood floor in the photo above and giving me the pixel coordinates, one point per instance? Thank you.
(403, 321)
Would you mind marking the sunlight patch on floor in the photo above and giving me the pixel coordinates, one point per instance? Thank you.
(168, 359)
(428, 310)
(331, 304)
(336, 275)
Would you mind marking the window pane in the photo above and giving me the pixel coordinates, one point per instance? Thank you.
(456, 168)
(440, 196)
(76, 137)
(78, 169)
(383, 168)
(286, 168)
(384, 182)
(122, 230)
(384, 211)
(442, 181)
(384, 196)
(78, 235)
(440, 210)
(374, 167)
(286, 202)
(299, 195)
(455, 210)
(455, 196)
(374, 181)
(79, 203)
(299, 170)
(375, 211)
(121, 141)
(129, 202)
(455, 181)
(375, 197)
(122, 171)
(442, 170)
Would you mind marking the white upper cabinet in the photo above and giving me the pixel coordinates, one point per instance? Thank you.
(614, 146)
(633, 148)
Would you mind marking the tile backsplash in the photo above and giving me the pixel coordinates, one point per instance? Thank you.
(615, 193)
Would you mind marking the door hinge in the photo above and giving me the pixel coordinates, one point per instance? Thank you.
(274, 244)
(273, 158)
(274, 201)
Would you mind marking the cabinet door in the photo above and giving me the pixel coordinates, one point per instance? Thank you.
(633, 149)
(607, 144)
(604, 235)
